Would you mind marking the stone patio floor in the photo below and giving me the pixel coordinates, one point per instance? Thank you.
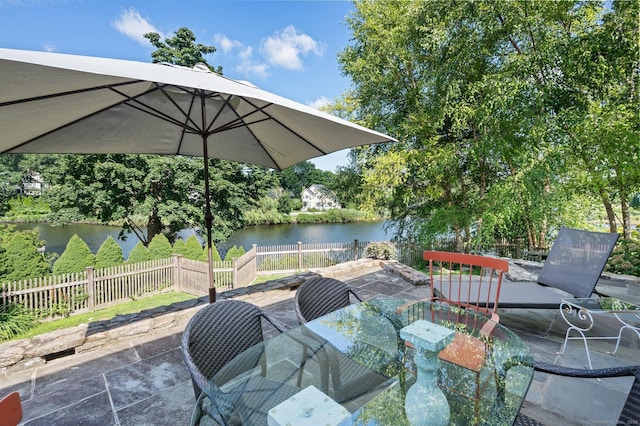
(144, 381)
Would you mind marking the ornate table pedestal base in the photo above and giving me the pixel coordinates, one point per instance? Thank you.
(425, 403)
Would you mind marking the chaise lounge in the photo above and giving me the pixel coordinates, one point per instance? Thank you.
(571, 270)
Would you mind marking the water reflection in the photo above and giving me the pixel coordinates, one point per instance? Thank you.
(94, 235)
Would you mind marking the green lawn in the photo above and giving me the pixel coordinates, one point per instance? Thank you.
(135, 306)
(264, 278)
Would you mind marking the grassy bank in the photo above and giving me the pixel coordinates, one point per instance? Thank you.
(135, 306)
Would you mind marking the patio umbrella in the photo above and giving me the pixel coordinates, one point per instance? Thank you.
(57, 103)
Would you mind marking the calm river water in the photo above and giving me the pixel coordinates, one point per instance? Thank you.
(94, 235)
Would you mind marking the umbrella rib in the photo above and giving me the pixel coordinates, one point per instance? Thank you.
(71, 92)
(135, 103)
(239, 122)
(184, 130)
(68, 93)
(187, 115)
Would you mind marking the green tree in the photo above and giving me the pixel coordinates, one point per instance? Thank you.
(302, 175)
(109, 254)
(160, 247)
(486, 97)
(140, 190)
(181, 49)
(267, 212)
(139, 253)
(5, 264)
(179, 247)
(604, 132)
(24, 258)
(234, 252)
(10, 179)
(76, 257)
(194, 250)
(215, 256)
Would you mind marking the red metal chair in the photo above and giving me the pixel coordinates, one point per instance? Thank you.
(11, 409)
(466, 283)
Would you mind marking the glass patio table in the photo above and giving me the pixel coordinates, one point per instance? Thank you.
(347, 368)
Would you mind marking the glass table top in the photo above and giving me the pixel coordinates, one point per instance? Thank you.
(355, 356)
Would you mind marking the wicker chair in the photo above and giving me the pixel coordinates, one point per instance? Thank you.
(218, 333)
(630, 414)
(315, 298)
(319, 296)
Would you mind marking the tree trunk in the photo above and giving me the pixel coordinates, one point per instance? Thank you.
(459, 242)
(154, 227)
(626, 215)
(542, 240)
(610, 214)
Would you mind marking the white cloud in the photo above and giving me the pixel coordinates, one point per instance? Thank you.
(250, 68)
(50, 47)
(225, 43)
(287, 47)
(319, 103)
(133, 25)
(253, 69)
(246, 54)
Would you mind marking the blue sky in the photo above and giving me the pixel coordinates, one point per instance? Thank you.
(286, 47)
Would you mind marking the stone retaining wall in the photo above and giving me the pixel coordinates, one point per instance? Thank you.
(32, 352)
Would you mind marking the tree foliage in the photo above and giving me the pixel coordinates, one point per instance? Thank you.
(20, 259)
(193, 249)
(178, 247)
(76, 257)
(234, 252)
(181, 49)
(498, 109)
(160, 247)
(109, 254)
(139, 253)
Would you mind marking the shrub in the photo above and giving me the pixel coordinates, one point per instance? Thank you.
(23, 257)
(193, 249)
(109, 254)
(14, 320)
(215, 256)
(179, 247)
(139, 253)
(76, 257)
(384, 250)
(625, 258)
(160, 247)
(234, 251)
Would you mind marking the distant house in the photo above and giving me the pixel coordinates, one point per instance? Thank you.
(33, 184)
(320, 198)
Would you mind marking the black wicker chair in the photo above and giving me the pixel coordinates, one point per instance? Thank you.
(630, 412)
(218, 333)
(319, 296)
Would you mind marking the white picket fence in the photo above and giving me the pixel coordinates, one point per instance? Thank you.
(92, 289)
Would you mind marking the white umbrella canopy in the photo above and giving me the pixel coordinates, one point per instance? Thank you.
(69, 104)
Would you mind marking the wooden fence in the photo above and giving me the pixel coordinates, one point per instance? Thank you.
(99, 288)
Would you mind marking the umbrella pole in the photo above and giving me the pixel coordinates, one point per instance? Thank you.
(208, 220)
